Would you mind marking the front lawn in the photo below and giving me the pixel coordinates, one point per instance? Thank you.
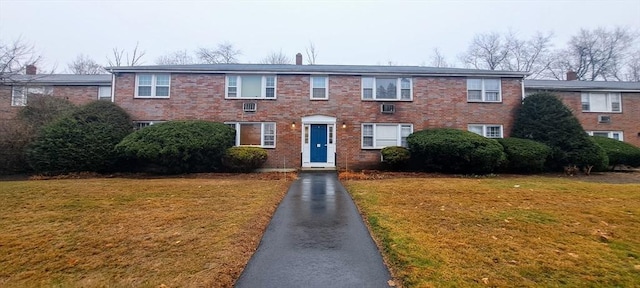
(132, 232)
(505, 232)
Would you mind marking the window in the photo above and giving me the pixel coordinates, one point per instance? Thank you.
(152, 85)
(251, 86)
(104, 93)
(618, 135)
(255, 134)
(137, 125)
(378, 136)
(601, 102)
(386, 88)
(20, 94)
(319, 85)
(489, 131)
(483, 90)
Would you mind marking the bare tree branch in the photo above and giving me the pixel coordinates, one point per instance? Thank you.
(85, 65)
(437, 59)
(311, 53)
(121, 58)
(15, 56)
(180, 57)
(486, 51)
(225, 53)
(276, 58)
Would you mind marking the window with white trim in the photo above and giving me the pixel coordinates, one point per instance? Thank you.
(378, 136)
(601, 102)
(20, 94)
(261, 134)
(319, 87)
(489, 131)
(484, 90)
(137, 125)
(387, 88)
(618, 135)
(153, 85)
(251, 86)
(104, 93)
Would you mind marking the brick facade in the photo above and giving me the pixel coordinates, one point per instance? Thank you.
(76, 94)
(437, 102)
(628, 121)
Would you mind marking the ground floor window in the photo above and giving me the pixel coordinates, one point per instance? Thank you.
(609, 134)
(261, 134)
(486, 130)
(137, 125)
(380, 135)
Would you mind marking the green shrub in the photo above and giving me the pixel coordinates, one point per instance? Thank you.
(524, 156)
(619, 153)
(395, 157)
(244, 159)
(590, 155)
(81, 141)
(179, 146)
(456, 151)
(545, 119)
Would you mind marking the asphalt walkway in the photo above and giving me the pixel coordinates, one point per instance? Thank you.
(316, 238)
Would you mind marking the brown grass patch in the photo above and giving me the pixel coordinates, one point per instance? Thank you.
(505, 231)
(177, 232)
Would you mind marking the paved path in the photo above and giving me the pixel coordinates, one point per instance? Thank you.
(316, 239)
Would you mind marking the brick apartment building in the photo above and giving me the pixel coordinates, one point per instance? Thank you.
(333, 115)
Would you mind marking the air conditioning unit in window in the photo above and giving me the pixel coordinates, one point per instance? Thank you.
(249, 106)
(604, 119)
(388, 108)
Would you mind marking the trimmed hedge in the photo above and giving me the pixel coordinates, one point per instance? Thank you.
(395, 157)
(454, 151)
(619, 153)
(178, 146)
(524, 156)
(81, 141)
(244, 159)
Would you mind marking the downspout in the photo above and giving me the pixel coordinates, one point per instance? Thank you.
(523, 95)
(113, 86)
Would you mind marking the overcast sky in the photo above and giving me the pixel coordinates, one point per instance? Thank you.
(344, 32)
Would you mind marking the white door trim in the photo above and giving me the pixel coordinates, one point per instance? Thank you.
(331, 140)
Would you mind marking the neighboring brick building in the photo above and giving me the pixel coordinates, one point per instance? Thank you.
(79, 89)
(322, 115)
(610, 109)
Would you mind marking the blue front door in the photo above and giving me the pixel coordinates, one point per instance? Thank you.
(319, 143)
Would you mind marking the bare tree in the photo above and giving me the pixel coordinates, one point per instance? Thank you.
(527, 55)
(15, 56)
(633, 67)
(311, 53)
(122, 58)
(437, 59)
(486, 51)
(597, 54)
(276, 58)
(225, 53)
(85, 65)
(180, 57)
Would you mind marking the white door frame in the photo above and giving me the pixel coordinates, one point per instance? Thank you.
(305, 139)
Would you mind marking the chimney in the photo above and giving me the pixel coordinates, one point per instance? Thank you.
(299, 59)
(31, 69)
(572, 75)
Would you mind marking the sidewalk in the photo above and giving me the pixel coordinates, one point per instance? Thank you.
(316, 239)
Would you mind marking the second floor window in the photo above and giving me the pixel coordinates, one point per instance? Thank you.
(319, 87)
(20, 94)
(484, 90)
(601, 102)
(251, 86)
(153, 85)
(386, 88)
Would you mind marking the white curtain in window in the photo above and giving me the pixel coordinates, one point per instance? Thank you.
(251, 86)
(386, 135)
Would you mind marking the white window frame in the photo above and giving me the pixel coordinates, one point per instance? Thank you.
(585, 100)
(610, 134)
(485, 129)
(154, 85)
(326, 87)
(25, 91)
(137, 125)
(237, 125)
(101, 95)
(399, 137)
(263, 87)
(374, 92)
(484, 91)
